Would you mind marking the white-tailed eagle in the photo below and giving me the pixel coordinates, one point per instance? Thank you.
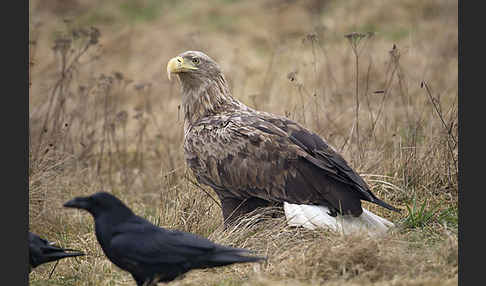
(256, 159)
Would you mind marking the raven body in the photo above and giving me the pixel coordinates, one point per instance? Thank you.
(150, 253)
(42, 251)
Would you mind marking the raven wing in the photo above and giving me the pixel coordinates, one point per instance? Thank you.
(144, 244)
(149, 252)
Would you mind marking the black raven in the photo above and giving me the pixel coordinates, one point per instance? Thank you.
(151, 254)
(43, 251)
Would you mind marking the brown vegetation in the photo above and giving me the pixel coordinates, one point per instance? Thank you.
(104, 116)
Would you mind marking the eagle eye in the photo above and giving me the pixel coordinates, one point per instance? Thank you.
(195, 61)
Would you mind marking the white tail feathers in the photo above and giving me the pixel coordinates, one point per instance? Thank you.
(312, 217)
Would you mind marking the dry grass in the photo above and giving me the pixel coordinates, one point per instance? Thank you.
(104, 116)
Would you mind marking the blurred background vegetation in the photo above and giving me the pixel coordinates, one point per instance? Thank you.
(103, 115)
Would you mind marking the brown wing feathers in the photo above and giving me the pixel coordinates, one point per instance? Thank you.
(323, 189)
(315, 180)
(328, 179)
(322, 156)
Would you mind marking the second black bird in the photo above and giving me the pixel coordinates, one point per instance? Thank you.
(150, 253)
(42, 251)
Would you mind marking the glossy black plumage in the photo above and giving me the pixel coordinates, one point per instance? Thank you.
(150, 253)
(42, 251)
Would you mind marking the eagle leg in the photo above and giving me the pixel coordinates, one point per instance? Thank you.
(235, 208)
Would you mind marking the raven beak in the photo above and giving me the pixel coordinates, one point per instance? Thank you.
(77, 203)
(177, 65)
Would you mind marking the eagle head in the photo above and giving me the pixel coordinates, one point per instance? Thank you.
(193, 66)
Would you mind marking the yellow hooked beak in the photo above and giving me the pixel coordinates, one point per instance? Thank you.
(177, 65)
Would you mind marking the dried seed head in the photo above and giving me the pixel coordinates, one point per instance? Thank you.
(118, 75)
(311, 37)
(94, 35)
(62, 44)
(122, 117)
(292, 76)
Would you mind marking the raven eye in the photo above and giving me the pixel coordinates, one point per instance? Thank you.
(195, 61)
